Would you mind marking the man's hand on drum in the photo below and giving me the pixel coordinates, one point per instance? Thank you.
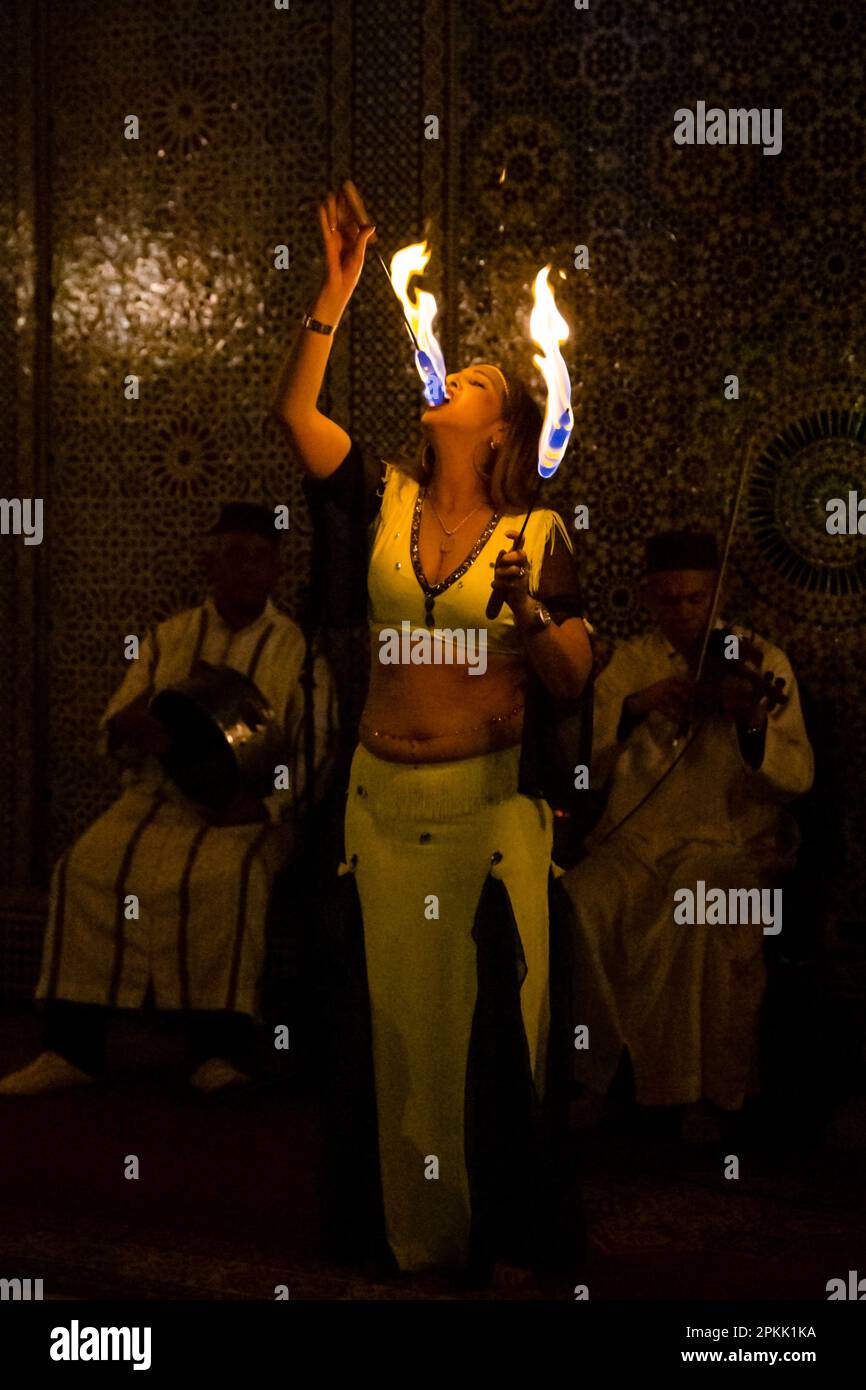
(134, 727)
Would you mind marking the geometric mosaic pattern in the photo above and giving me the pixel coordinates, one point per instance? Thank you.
(703, 261)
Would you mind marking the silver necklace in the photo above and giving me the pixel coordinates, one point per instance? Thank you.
(445, 544)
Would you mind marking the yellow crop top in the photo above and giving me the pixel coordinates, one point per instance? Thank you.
(362, 572)
(365, 515)
(398, 589)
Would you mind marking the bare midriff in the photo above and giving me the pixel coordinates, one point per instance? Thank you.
(431, 714)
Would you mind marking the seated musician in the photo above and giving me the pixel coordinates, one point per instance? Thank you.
(162, 898)
(684, 996)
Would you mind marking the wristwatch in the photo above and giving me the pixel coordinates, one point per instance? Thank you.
(541, 619)
(309, 322)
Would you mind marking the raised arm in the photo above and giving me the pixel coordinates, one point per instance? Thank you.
(320, 443)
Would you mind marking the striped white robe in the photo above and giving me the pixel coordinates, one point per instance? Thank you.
(202, 891)
(684, 999)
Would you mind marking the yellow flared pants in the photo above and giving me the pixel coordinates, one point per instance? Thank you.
(421, 840)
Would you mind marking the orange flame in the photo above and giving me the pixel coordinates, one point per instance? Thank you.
(421, 310)
(548, 329)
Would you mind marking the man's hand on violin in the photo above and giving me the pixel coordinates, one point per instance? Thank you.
(672, 697)
(730, 695)
(746, 699)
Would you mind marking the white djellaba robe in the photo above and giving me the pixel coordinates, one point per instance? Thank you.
(202, 890)
(684, 999)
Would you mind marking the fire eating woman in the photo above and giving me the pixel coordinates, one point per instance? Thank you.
(448, 835)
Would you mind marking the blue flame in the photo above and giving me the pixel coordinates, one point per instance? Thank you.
(557, 443)
(434, 386)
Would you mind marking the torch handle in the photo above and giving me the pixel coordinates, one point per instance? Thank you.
(497, 596)
(496, 599)
(406, 323)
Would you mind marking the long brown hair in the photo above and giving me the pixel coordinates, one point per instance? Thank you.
(510, 473)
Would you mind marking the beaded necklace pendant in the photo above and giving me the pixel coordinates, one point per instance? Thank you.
(432, 591)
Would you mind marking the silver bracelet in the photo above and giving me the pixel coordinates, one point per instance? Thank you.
(539, 621)
(309, 322)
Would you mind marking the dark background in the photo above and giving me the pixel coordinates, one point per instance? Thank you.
(155, 257)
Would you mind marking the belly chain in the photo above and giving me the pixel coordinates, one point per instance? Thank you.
(425, 738)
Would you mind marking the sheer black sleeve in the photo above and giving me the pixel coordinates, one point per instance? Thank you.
(557, 732)
(559, 587)
(342, 507)
(352, 488)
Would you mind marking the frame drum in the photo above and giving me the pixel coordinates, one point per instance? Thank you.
(225, 739)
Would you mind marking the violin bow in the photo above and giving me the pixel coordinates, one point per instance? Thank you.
(684, 727)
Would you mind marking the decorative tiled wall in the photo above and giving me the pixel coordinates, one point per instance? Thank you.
(704, 261)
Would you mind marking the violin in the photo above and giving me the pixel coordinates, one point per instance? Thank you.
(734, 663)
